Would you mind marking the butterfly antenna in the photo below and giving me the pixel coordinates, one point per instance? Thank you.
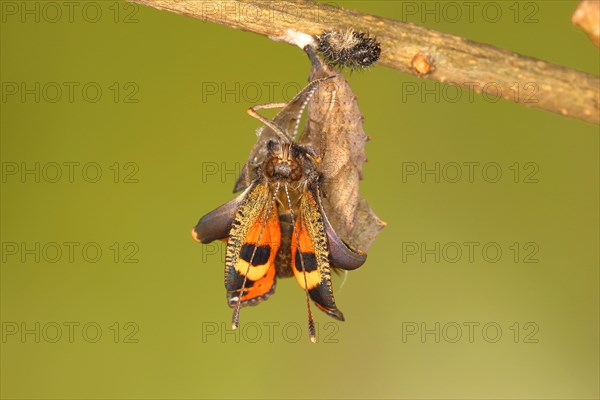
(235, 320)
(309, 95)
(267, 122)
(311, 323)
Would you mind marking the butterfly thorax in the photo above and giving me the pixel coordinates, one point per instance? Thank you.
(286, 167)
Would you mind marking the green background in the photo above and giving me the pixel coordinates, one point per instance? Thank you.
(174, 293)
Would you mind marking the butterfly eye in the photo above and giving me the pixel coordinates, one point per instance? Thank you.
(296, 171)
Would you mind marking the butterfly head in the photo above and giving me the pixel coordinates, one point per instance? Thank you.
(283, 162)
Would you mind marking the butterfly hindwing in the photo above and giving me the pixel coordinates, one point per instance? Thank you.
(216, 224)
(310, 255)
(254, 241)
(341, 255)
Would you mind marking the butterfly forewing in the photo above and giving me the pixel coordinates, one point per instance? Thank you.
(253, 244)
(310, 255)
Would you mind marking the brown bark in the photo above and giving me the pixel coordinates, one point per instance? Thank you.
(453, 59)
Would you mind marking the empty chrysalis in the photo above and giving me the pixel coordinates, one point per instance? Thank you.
(355, 50)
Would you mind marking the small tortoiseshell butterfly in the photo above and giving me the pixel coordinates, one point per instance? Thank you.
(277, 226)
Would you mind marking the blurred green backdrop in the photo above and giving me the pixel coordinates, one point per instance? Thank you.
(154, 102)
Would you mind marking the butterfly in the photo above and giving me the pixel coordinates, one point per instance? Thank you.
(277, 226)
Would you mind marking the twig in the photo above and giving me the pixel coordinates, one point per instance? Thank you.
(409, 48)
(587, 16)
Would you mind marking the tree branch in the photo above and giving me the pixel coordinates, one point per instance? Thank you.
(415, 50)
(587, 17)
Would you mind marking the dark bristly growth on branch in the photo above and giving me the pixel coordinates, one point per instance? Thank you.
(459, 61)
(351, 49)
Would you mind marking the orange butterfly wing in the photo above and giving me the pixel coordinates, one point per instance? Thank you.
(310, 255)
(254, 240)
